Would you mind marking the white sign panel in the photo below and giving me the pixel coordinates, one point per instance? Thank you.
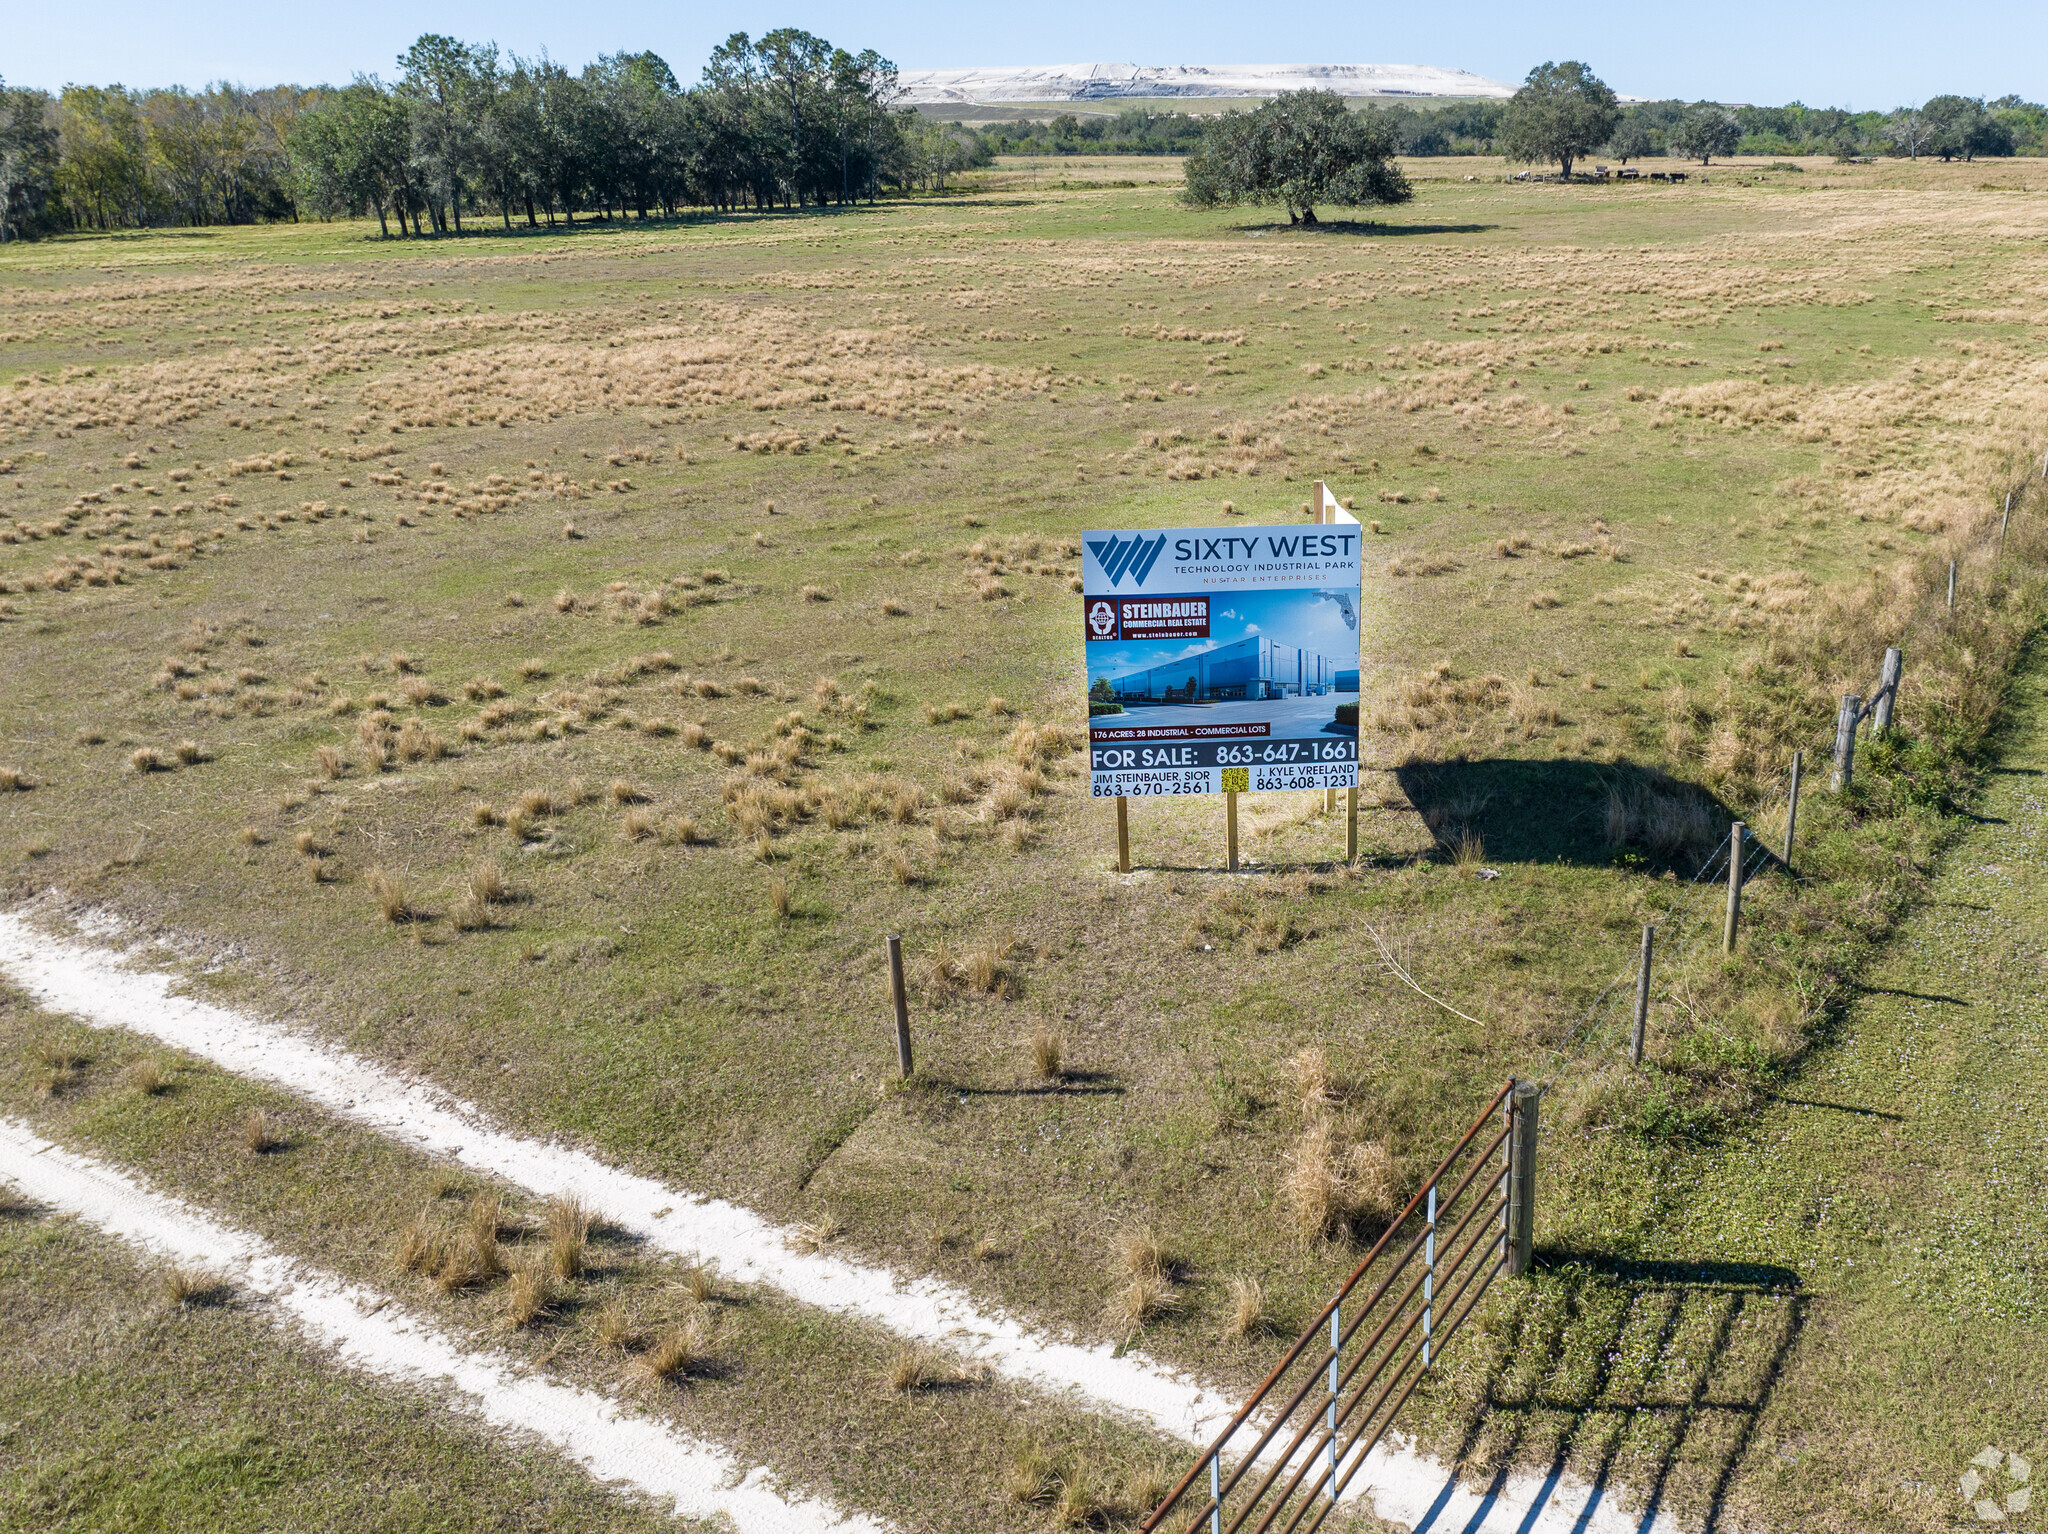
(1221, 658)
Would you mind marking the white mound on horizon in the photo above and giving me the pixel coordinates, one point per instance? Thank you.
(1094, 82)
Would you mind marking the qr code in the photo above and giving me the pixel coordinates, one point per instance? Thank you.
(1237, 780)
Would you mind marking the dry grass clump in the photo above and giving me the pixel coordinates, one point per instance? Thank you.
(815, 1235)
(1666, 821)
(624, 792)
(147, 759)
(1144, 1299)
(151, 1076)
(614, 1328)
(1467, 852)
(332, 763)
(1246, 1316)
(816, 594)
(529, 1295)
(1330, 1187)
(1048, 1052)
(780, 900)
(1542, 601)
(568, 1229)
(187, 1288)
(421, 1245)
(679, 1352)
(1143, 1254)
(486, 883)
(388, 891)
(918, 1366)
(259, 1134)
(12, 780)
(1316, 1086)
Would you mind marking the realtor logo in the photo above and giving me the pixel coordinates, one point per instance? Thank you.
(1992, 1472)
(1102, 619)
(1127, 556)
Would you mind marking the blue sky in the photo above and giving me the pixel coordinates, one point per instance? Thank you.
(1299, 618)
(1826, 53)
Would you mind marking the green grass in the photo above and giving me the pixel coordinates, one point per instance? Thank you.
(1724, 549)
(787, 1386)
(122, 1413)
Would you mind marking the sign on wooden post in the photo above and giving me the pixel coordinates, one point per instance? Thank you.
(1217, 658)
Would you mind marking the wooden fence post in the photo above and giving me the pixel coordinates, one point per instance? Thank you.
(1635, 1037)
(1887, 691)
(1123, 834)
(1351, 825)
(902, 1003)
(1230, 827)
(2004, 522)
(1521, 1210)
(1845, 741)
(1734, 888)
(1951, 585)
(1792, 806)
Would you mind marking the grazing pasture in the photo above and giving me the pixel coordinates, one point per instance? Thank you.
(549, 664)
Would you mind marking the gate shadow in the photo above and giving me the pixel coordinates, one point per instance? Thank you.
(1696, 1418)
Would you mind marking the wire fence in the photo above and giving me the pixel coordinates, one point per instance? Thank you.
(1687, 924)
(1334, 1428)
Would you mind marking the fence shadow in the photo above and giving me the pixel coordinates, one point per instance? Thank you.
(1568, 810)
(1720, 1334)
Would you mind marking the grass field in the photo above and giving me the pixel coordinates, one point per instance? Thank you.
(551, 663)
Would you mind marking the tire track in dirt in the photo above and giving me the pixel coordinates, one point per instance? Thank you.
(372, 1334)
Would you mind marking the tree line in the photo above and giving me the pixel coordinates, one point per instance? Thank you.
(1564, 113)
(788, 120)
(1945, 127)
(467, 132)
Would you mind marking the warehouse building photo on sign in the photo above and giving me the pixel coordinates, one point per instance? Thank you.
(1221, 661)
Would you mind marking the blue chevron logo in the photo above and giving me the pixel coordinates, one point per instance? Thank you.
(1127, 556)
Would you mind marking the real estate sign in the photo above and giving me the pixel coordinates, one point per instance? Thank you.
(1221, 658)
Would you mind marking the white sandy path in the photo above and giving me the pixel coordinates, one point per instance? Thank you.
(373, 1335)
(104, 988)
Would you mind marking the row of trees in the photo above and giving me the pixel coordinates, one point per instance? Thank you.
(1564, 113)
(1947, 127)
(465, 132)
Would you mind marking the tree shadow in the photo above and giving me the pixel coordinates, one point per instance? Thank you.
(1566, 810)
(1354, 227)
(1700, 1417)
